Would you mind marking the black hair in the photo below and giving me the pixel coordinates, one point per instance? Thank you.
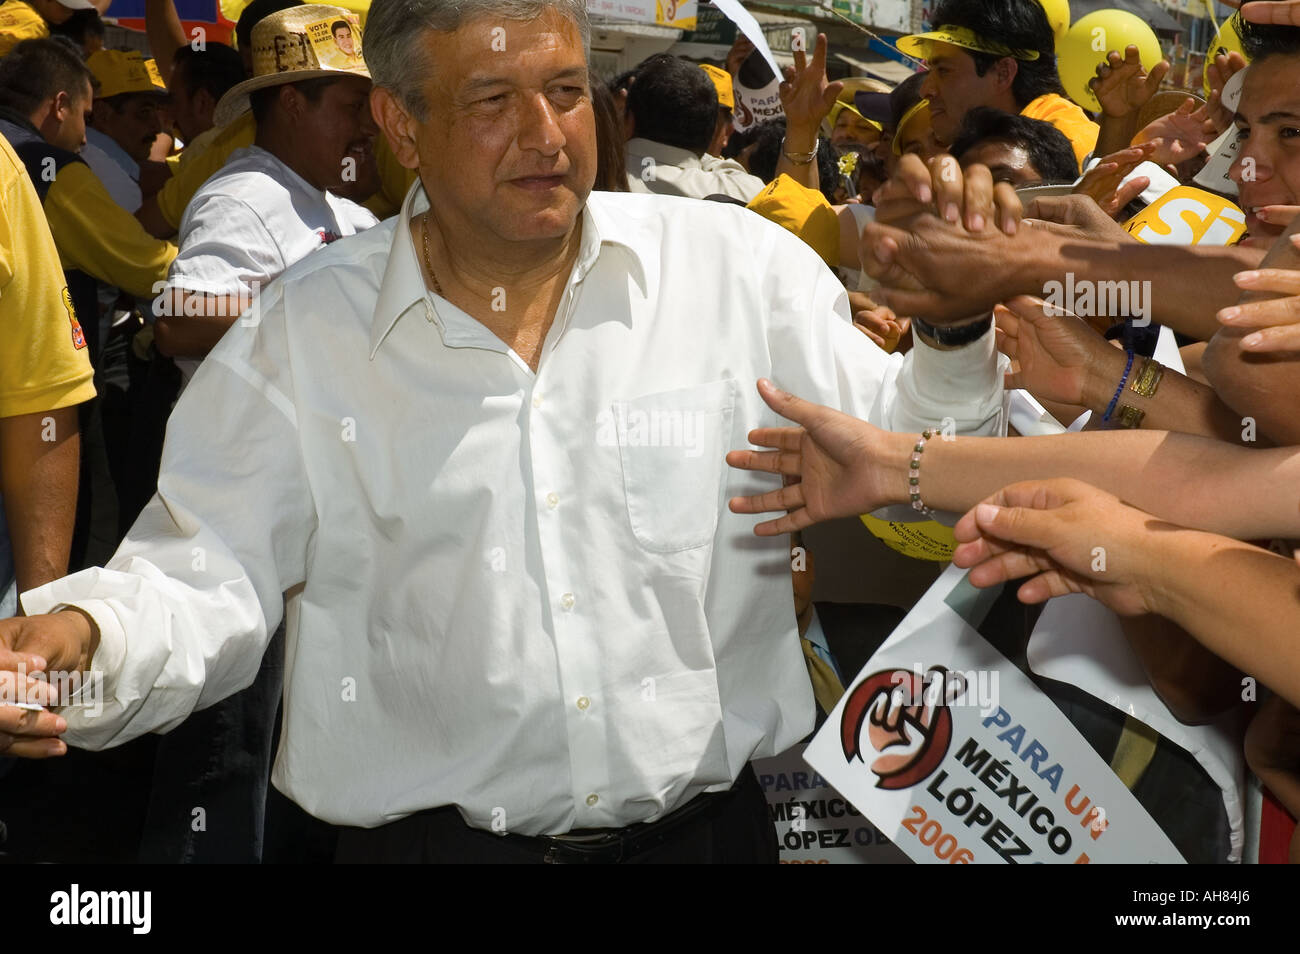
(1017, 24)
(611, 150)
(1261, 40)
(828, 168)
(216, 68)
(260, 100)
(674, 102)
(253, 13)
(37, 70)
(334, 27)
(81, 26)
(767, 137)
(1048, 148)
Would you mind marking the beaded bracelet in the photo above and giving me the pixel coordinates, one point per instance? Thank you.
(1128, 368)
(914, 474)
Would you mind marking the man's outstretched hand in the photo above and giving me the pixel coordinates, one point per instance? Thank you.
(32, 648)
(840, 465)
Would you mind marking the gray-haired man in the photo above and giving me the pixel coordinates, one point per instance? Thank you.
(499, 482)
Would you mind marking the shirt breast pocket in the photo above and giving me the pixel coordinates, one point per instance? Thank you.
(671, 445)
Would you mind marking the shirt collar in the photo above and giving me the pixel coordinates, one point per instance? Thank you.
(664, 153)
(402, 286)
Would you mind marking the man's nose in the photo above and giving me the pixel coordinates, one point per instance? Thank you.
(1250, 165)
(539, 127)
(928, 90)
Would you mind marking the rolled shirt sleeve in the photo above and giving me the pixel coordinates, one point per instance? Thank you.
(186, 606)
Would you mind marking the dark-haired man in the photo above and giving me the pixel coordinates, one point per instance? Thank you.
(45, 98)
(1024, 152)
(1001, 55)
(199, 79)
(673, 111)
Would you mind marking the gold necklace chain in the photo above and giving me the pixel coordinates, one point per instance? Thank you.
(428, 262)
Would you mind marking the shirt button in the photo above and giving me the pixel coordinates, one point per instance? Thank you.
(593, 799)
(583, 702)
(537, 400)
(567, 601)
(552, 500)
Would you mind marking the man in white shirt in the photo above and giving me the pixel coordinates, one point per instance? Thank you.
(270, 205)
(673, 109)
(496, 480)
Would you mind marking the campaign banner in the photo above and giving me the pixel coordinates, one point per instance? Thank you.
(816, 825)
(952, 752)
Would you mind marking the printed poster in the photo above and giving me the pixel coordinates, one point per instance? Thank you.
(958, 758)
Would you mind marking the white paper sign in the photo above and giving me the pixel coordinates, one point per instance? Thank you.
(749, 26)
(953, 753)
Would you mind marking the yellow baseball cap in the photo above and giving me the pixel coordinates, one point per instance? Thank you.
(124, 71)
(919, 44)
(804, 212)
(922, 106)
(722, 81)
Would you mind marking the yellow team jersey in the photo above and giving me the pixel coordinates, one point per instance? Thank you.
(44, 365)
(18, 22)
(97, 236)
(1069, 119)
(394, 179)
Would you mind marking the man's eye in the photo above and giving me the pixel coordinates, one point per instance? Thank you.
(1289, 132)
(1243, 133)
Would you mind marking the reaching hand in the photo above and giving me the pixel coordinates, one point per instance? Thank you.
(1185, 132)
(1105, 184)
(806, 96)
(877, 322)
(1058, 355)
(1123, 86)
(1068, 536)
(739, 52)
(1076, 217)
(835, 458)
(1275, 321)
(36, 645)
(955, 195)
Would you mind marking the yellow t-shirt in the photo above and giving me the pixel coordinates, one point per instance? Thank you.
(394, 179)
(96, 235)
(44, 365)
(1069, 119)
(18, 22)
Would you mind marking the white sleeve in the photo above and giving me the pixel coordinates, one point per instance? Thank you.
(818, 354)
(224, 248)
(186, 606)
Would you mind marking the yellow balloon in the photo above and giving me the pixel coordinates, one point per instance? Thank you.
(1058, 15)
(1225, 41)
(1088, 41)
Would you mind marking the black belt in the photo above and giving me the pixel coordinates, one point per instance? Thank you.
(612, 845)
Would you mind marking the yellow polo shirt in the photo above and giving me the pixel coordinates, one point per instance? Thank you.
(394, 179)
(96, 235)
(44, 365)
(18, 22)
(1069, 119)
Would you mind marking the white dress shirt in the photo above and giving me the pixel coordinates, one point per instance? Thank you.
(522, 594)
(669, 170)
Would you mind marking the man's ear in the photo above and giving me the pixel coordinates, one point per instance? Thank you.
(292, 102)
(1005, 70)
(62, 105)
(203, 103)
(398, 125)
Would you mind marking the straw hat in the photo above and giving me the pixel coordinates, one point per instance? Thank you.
(294, 45)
